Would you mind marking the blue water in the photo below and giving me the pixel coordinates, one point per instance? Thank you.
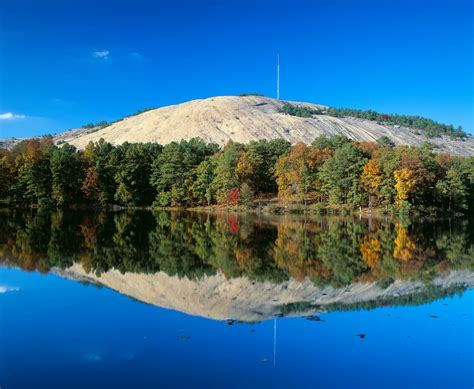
(58, 333)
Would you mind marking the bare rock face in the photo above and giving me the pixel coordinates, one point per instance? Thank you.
(241, 299)
(247, 118)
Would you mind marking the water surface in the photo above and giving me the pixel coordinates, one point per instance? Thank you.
(141, 299)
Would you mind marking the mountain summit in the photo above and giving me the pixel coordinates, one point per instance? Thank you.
(246, 118)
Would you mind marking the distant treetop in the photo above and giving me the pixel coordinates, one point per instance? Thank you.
(140, 111)
(101, 124)
(250, 94)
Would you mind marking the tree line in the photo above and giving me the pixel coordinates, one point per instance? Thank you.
(429, 127)
(331, 172)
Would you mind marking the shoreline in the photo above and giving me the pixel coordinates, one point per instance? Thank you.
(273, 209)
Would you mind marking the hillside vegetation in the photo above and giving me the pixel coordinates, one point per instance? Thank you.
(430, 127)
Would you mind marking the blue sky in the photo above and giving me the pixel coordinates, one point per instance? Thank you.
(67, 63)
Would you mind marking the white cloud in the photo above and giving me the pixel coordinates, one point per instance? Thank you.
(136, 56)
(10, 116)
(102, 54)
(5, 289)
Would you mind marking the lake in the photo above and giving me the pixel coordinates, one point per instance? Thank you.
(176, 299)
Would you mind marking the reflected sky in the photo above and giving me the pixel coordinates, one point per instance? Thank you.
(61, 333)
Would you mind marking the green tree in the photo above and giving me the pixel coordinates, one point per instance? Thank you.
(246, 195)
(323, 142)
(67, 175)
(340, 176)
(385, 141)
(133, 174)
(7, 176)
(202, 184)
(256, 165)
(172, 170)
(453, 189)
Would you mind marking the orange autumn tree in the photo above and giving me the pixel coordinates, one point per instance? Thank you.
(367, 148)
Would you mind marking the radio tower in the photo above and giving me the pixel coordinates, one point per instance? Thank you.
(278, 76)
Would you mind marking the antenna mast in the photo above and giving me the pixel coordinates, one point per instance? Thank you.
(278, 76)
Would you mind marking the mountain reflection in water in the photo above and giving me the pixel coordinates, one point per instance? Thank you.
(246, 267)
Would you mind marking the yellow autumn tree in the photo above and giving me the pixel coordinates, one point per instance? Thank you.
(404, 184)
(372, 179)
(288, 172)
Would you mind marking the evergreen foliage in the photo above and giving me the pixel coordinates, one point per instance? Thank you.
(299, 110)
(428, 126)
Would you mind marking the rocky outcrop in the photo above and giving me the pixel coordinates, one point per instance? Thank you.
(248, 118)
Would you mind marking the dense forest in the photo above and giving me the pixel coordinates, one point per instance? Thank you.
(334, 173)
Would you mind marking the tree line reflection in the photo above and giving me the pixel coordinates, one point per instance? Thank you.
(336, 251)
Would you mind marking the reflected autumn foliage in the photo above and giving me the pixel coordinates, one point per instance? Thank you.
(328, 250)
(371, 250)
(295, 251)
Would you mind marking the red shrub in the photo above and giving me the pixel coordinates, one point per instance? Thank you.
(234, 196)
